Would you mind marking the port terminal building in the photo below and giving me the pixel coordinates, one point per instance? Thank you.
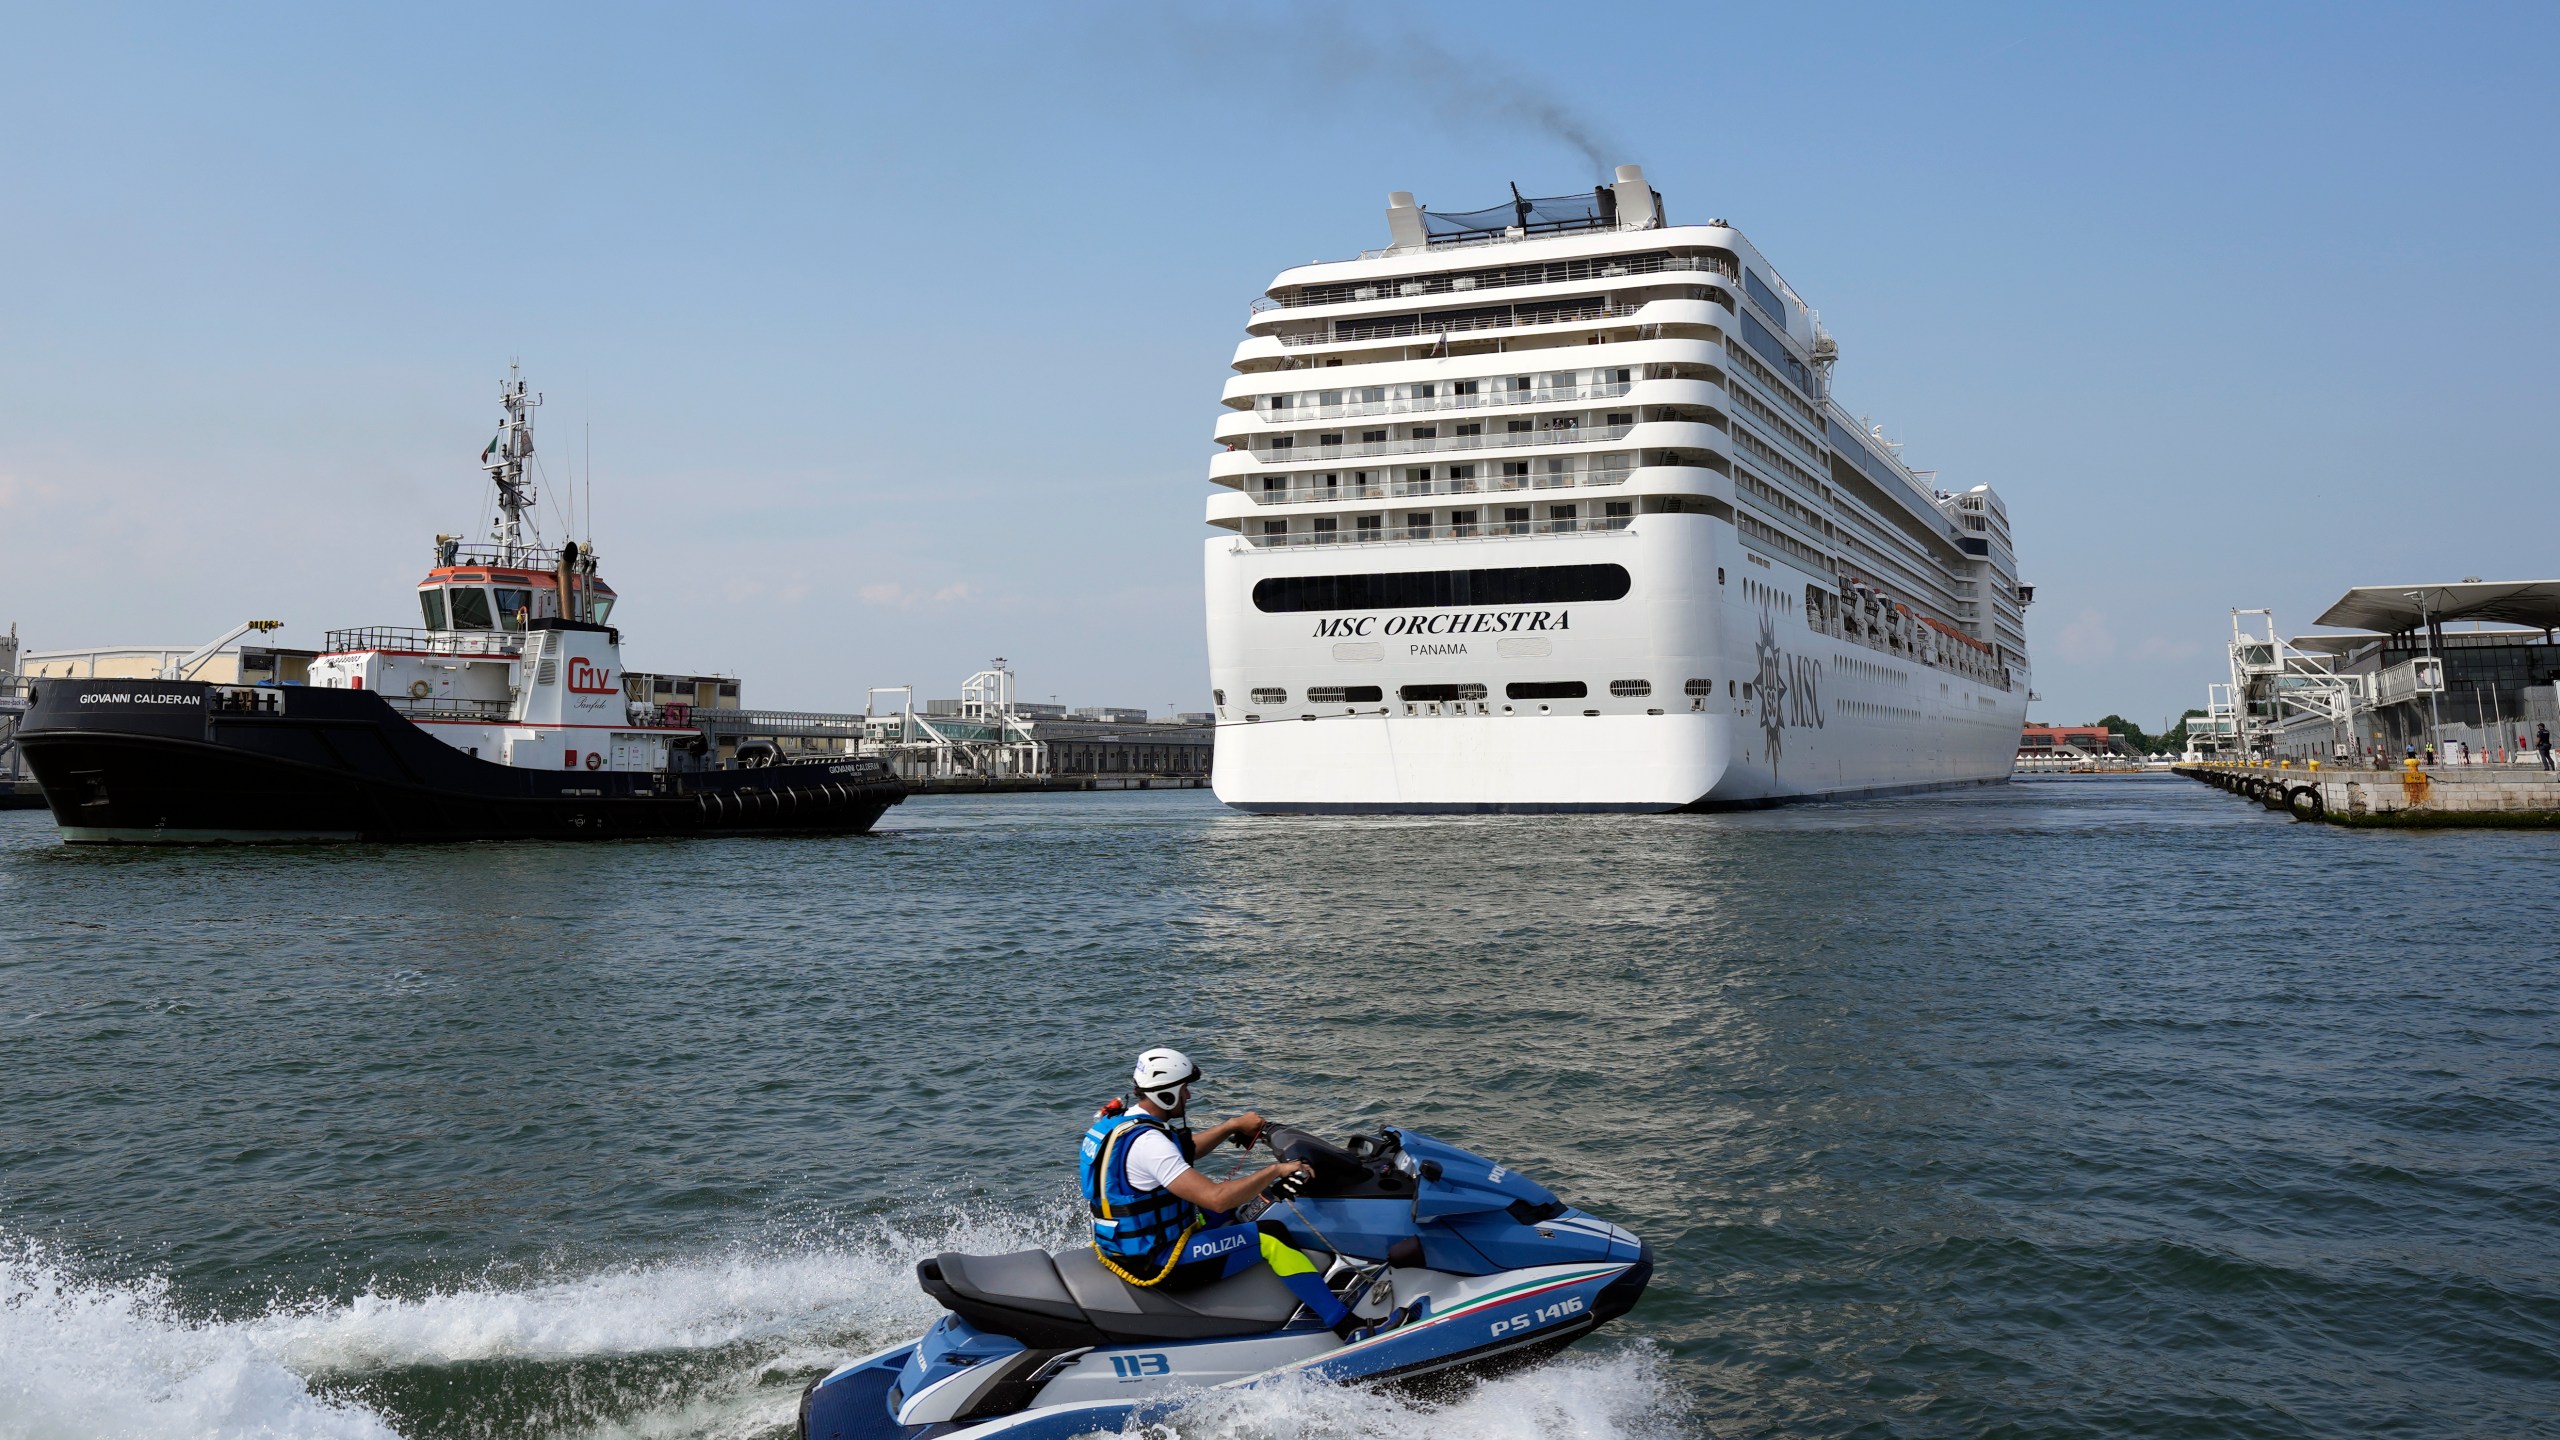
(2469, 666)
(2070, 742)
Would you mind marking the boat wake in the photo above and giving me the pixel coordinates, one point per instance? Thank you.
(712, 1347)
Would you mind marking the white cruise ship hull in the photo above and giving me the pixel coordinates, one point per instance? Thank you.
(1793, 713)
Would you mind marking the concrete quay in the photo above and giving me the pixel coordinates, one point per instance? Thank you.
(1050, 784)
(2514, 796)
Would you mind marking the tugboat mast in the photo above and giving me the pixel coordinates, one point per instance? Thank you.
(505, 459)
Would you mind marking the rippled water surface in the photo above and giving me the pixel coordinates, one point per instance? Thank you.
(2111, 1107)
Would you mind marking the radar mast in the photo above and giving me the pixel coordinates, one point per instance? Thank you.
(505, 459)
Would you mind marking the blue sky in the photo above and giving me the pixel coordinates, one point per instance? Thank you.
(899, 331)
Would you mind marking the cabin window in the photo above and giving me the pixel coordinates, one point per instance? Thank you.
(599, 606)
(513, 607)
(471, 608)
(432, 603)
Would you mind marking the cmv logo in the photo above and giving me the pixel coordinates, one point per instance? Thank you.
(588, 679)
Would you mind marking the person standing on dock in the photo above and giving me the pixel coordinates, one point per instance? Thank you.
(2542, 744)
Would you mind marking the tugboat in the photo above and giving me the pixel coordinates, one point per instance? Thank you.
(505, 717)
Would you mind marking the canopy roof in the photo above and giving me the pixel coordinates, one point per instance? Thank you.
(2394, 608)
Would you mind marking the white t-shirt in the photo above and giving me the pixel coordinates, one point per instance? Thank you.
(1154, 1160)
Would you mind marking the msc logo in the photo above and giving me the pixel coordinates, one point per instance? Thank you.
(588, 679)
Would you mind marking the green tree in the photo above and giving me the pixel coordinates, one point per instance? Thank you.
(2131, 733)
(2175, 742)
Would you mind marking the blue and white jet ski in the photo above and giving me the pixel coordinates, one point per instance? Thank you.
(1489, 1269)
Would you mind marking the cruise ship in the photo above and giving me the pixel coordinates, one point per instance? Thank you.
(1550, 507)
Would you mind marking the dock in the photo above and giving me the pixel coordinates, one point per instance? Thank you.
(1052, 784)
(2522, 796)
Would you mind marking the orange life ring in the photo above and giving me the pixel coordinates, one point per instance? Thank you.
(594, 761)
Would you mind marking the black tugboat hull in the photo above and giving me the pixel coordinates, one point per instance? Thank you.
(169, 763)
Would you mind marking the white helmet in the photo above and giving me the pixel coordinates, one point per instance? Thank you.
(1161, 1074)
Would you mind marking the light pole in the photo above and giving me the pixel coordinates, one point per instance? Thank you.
(2435, 721)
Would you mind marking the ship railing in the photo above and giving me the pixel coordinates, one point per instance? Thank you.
(1426, 404)
(1458, 485)
(1421, 534)
(1344, 332)
(440, 707)
(246, 699)
(1440, 444)
(1602, 268)
(502, 643)
(516, 557)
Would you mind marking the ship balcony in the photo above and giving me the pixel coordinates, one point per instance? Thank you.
(1427, 327)
(1618, 475)
(1435, 445)
(1647, 320)
(1394, 302)
(1235, 466)
(1490, 529)
(1607, 470)
(1622, 347)
(1244, 427)
(1578, 271)
(1236, 424)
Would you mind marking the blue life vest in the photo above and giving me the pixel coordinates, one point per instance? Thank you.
(1138, 1233)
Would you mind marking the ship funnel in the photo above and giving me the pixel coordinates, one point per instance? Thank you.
(1639, 205)
(568, 567)
(1404, 222)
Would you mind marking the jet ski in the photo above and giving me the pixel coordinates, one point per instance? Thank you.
(1456, 1263)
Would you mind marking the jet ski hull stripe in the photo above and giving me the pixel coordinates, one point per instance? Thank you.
(1517, 1292)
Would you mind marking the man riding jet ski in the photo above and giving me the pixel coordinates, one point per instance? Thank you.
(1430, 1261)
(1157, 1222)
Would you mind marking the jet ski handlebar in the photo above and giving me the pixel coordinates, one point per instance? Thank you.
(1358, 1160)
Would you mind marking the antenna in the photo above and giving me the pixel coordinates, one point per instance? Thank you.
(505, 458)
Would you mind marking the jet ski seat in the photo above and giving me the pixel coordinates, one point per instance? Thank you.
(1062, 1301)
